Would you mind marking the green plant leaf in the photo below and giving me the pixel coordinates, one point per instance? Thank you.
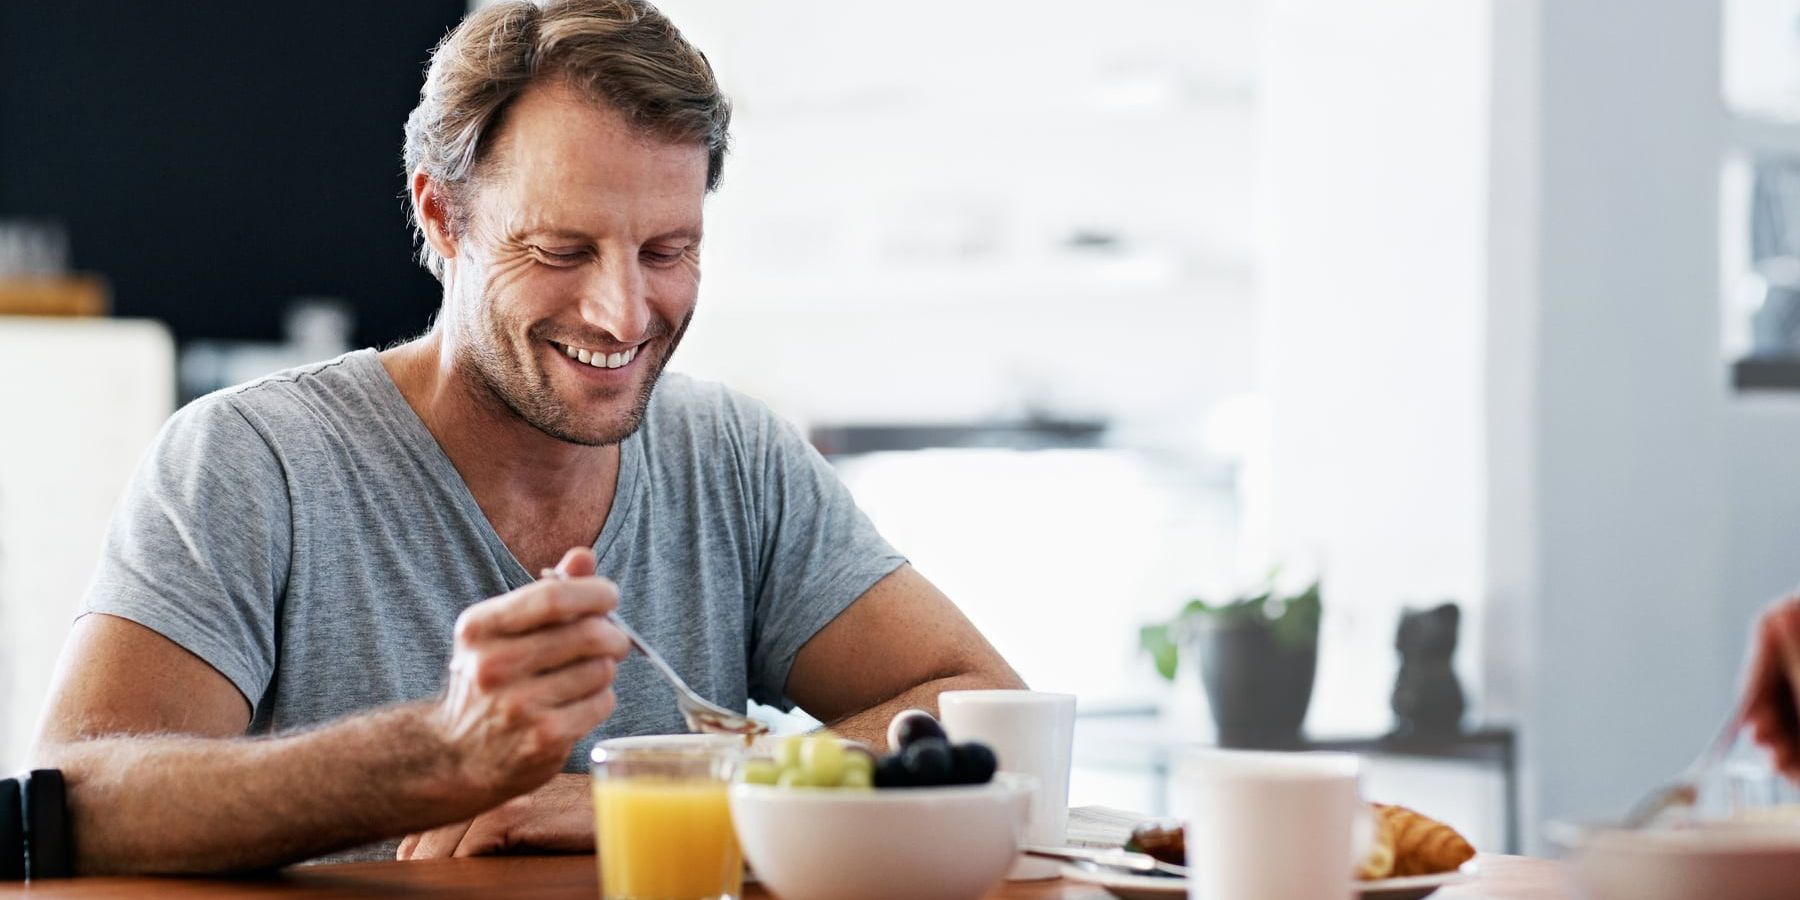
(1298, 623)
(1162, 649)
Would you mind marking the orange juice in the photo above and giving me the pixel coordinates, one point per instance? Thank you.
(665, 838)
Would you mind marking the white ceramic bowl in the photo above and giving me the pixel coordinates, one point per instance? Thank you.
(948, 843)
(1742, 861)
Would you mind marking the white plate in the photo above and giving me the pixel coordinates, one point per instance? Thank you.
(1127, 886)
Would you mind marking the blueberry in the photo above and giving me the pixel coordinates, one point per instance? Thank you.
(912, 725)
(890, 772)
(928, 760)
(972, 763)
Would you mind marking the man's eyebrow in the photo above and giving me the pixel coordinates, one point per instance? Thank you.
(691, 235)
(555, 232)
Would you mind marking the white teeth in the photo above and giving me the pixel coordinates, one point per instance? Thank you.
(602, 360)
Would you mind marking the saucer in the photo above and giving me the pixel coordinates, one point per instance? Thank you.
(1129, 886)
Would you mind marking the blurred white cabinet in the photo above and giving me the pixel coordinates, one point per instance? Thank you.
(80, 400)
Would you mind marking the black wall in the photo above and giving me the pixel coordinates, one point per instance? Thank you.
(214, 160)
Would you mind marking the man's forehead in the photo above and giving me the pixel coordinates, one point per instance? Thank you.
(560, 155)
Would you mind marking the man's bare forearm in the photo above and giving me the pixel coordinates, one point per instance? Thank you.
(184, 804)
(870, 725)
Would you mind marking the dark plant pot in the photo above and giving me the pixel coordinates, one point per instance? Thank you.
(1258, 687)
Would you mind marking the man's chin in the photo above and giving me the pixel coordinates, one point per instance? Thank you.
(591, 437)
(584, 420)
(597, 421)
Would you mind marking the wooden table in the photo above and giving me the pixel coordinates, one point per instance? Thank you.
(574, 878)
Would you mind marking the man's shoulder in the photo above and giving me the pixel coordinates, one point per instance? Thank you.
(278, 407)
(685, 402)
(306, 390)
(709, 417)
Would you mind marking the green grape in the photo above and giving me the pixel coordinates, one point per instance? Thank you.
(857, 778)
(761, 771)
(792, 778)
(787, 753)
(858, 761)
(823, 759)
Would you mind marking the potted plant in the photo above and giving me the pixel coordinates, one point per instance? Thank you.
(1257, 656)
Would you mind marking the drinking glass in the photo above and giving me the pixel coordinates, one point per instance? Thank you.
(662, 821)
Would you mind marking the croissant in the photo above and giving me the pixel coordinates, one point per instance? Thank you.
(1413, 844)
(1380, 861)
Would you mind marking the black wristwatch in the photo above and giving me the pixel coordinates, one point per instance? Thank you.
(12, 830)
(35, 840)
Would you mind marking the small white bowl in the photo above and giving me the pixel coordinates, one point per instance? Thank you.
(945, 843)
(1742, 861)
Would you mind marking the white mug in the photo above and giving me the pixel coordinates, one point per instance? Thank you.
(1270, 826)
(1031, 733)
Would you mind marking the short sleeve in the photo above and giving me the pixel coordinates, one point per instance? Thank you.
(819, 554)
(198, 549)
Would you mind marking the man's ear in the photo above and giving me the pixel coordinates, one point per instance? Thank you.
(432, 209)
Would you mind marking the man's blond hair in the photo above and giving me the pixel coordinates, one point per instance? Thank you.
(623, 53)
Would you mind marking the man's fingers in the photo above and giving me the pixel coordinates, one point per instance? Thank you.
(439, 842)
(579, 562)
(1784, 623)
(1767, 670)
(575, 681)
(507, 660)
(485, 835)
(578, 717)
(404, 851)
(537, 605)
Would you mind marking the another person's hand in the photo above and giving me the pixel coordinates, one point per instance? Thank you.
(1771, 705)
(557, 818)
(531, 674)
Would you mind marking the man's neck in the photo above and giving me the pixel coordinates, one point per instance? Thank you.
(517, 473)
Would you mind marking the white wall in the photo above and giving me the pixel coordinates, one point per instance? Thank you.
(1493, 352)
(80, 400)
(891, 240)
(1375, 175)
(1632, 483)
(1762, 476)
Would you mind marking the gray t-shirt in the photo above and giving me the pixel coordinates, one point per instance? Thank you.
(306, 536)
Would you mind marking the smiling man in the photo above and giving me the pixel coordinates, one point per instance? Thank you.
(316, 627)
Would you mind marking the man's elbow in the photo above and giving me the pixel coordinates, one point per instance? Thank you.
(992, 674)
(52, 751)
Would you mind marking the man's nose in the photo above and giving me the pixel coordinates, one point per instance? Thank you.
(616, 298)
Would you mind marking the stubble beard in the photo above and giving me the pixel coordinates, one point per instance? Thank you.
(508, 374)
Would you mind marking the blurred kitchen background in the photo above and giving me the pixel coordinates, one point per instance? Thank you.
(1097, 307)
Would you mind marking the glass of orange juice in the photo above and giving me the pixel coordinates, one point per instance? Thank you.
(662, 821)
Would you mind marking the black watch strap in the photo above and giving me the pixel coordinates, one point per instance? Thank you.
(12, 830)
(49, 850)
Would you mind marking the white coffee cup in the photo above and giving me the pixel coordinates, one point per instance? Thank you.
(1270, 826)
(1031, 733)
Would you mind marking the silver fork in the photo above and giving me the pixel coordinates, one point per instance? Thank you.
(1684, 791)
(702, 715)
